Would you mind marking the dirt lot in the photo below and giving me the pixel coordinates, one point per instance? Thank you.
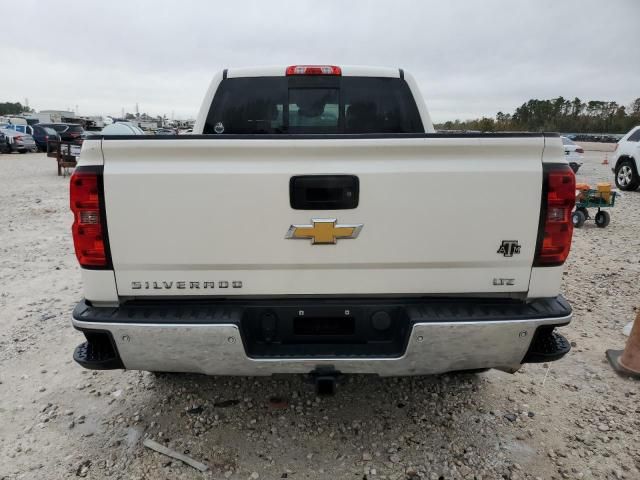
(570, 419)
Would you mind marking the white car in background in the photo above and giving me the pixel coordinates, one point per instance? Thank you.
(627, 158)
(122, 128)
(574, 153)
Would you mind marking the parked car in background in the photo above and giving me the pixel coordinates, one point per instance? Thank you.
(574, 153)
(122, 128)
(90, 133)
(5, 147)
(43, 135)
(28, 129)
(19, 142)
(166, 131)
(627, 160)
(69, 132)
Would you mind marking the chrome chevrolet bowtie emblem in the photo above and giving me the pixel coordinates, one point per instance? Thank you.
(323, 231)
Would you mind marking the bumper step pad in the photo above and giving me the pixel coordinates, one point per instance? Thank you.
(547, 346)
(98, 353)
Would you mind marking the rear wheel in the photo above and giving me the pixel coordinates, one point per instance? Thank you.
(627, 175)
(578, 218)
(602, 219)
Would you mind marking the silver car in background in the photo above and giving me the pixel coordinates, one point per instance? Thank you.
(18, 141)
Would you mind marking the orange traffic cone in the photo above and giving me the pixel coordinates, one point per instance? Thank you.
(627, 362)
(606, 160)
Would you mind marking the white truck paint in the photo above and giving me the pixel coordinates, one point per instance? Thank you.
(204, 218)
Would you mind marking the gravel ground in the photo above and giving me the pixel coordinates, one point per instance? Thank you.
(570, 419)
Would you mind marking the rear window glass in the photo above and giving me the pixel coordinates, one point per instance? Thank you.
(313, 107)
(274, 105)
(75, 128)
(59, 128)
(566, 141)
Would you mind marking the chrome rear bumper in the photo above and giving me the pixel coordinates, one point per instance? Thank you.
(217, 349)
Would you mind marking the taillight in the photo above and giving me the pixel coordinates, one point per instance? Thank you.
(89, 233)
(556, 227)
(17, 138)
(580, 150)
(313, 70)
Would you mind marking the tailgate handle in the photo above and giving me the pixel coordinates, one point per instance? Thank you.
(324, 192)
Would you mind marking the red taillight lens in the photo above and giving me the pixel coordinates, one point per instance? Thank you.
(580, 150)
(17, 138)
(556, 227)
(88, 234)
(313, 70)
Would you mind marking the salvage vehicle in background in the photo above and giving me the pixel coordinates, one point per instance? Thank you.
(166, 131)
(69, 132)
(293, 232)
(22, 128)
(626, 161)
(5, 146)
(44, 135)
(19, 142)
(574, 153)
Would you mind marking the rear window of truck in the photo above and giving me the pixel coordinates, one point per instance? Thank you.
(313, 105)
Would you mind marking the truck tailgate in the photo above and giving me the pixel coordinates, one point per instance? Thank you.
(209, 216)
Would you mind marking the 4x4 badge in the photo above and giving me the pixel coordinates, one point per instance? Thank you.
(509, 248)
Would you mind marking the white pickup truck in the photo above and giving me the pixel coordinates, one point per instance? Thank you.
(315, 223)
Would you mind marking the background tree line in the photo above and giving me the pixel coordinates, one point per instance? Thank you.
(558, 115)
(8, 108)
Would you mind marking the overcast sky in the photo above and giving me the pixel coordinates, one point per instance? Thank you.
(470, 58)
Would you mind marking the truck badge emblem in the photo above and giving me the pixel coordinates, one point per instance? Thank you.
(509, 248)
(323, 231)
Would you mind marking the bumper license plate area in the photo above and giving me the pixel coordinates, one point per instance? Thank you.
(324, 326)
(325, 331)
